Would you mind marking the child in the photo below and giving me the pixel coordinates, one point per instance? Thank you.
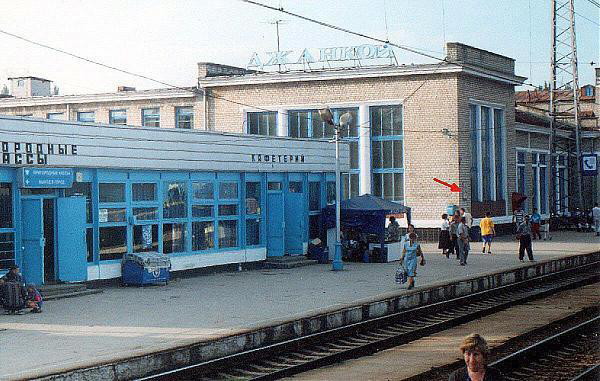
(34, 299)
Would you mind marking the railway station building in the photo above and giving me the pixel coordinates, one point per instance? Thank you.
(454, 121)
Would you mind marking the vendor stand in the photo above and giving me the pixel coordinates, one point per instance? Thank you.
(367, 214)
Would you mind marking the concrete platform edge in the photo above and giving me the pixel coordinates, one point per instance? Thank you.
(156, 359)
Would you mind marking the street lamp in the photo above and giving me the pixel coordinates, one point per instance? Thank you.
(345, 120)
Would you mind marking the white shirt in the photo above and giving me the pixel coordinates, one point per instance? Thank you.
(468, 219)
(445, 225)
(596, 212)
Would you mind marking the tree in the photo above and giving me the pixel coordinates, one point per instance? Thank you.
(4, 90)
(55, 91)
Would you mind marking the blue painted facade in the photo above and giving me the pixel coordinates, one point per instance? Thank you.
(210, 214)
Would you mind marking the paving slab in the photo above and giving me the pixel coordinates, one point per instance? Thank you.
(128, 321)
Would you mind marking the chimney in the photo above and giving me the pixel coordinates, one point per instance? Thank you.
(125, 88)
(25, 87)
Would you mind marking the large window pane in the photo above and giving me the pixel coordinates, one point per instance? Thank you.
(473, 127)
(500, 158)
(354, 185)
(145, 214)
(345, 180)
(295, 187)
(143, 192)
(202, 211)
(203, 235)
(7, 250)
(228, 210)
(398, 186)
(398, 160)
(173, 238)
(86, 116)
(353, 155)
(262, 123)
(314, 197)
(6, 206)
(376, 154)
(113, 242)
(145, 238)
(117, 117)
(175, 200)
(252, 198)
(543, 190)
(486, 155)
(388, 153)
(112, 192)
(112, 215)
(228, 191)
(330, 192)
(203, 190)
(388, 186)
(377, 181)
(252, 232)
(228, 233)
(375, 117)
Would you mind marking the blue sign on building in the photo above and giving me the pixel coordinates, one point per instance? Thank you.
(589, 165)
(45, 177)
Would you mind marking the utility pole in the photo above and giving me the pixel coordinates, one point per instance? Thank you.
(563, 68)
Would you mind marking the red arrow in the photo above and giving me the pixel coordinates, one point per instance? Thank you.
(453, 187)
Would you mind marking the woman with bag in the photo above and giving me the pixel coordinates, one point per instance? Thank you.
(410, 252)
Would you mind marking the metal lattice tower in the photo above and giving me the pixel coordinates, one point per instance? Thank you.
(564, 105)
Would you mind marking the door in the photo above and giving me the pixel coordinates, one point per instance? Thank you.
(275, 224)
(71, 234)
(294, 218)
(33, 240)
(49, 246)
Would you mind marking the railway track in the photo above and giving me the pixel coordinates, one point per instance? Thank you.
(571, 355)
(363, 338)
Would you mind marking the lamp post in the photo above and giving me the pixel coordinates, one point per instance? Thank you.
(345, 120)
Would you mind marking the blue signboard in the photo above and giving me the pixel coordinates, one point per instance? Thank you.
(45, 177)
(589, 165)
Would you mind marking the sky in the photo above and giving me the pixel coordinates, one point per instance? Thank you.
(164, 39)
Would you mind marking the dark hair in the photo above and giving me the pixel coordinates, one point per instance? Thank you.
(409, 225)
(488, 214)
(444, 216)
(463, 209)
(463, 219)
(412, 236)
(392, 219)
(13, 267)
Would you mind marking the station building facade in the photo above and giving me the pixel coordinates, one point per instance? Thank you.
(76, 196)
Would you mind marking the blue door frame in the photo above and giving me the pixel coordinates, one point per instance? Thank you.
(294, 221)
(275, 225)
(33, 240)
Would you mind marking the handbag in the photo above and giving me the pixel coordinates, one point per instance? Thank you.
(401, 275)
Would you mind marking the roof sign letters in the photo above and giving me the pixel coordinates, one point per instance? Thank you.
(322, 55)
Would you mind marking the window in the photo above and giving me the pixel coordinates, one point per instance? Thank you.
(539, 167)
(86, 116)
(184, 117)
(521, 177)
(253, 208)
(228, 233)
(274, 186)
(387, 152)
(203, 233)
(7, 250)
(561, 183)
(589, 91)
(487, 131)
(151, 117)
(227, 215)
(6, 206)
(143, 191)
(112, 192)
(20, 83)
(173, 238)
(55, 115)
(175, 200)
(262, 123)
(203, 190)
(145, 238)
(117, 117)
(113, 242)
(308, 124)
(314, 196)
(350, 185)
(331, 192)
(228, 190)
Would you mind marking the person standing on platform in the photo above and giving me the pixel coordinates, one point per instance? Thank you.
(536, 220)
(410, 253)
(454, 236)
(487, 232)
(444, 238)
(524, 236)
(462, 232)
(468, 217)
(596, 217)
(393, 230)
(518, 217)
(475, 351)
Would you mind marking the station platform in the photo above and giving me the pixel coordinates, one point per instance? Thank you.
(125, 322)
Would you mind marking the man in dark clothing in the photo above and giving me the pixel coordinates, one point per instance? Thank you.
(524, 235)
(15, 276)
(475, 352)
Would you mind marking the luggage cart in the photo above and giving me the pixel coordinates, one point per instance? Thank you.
(145, 268)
